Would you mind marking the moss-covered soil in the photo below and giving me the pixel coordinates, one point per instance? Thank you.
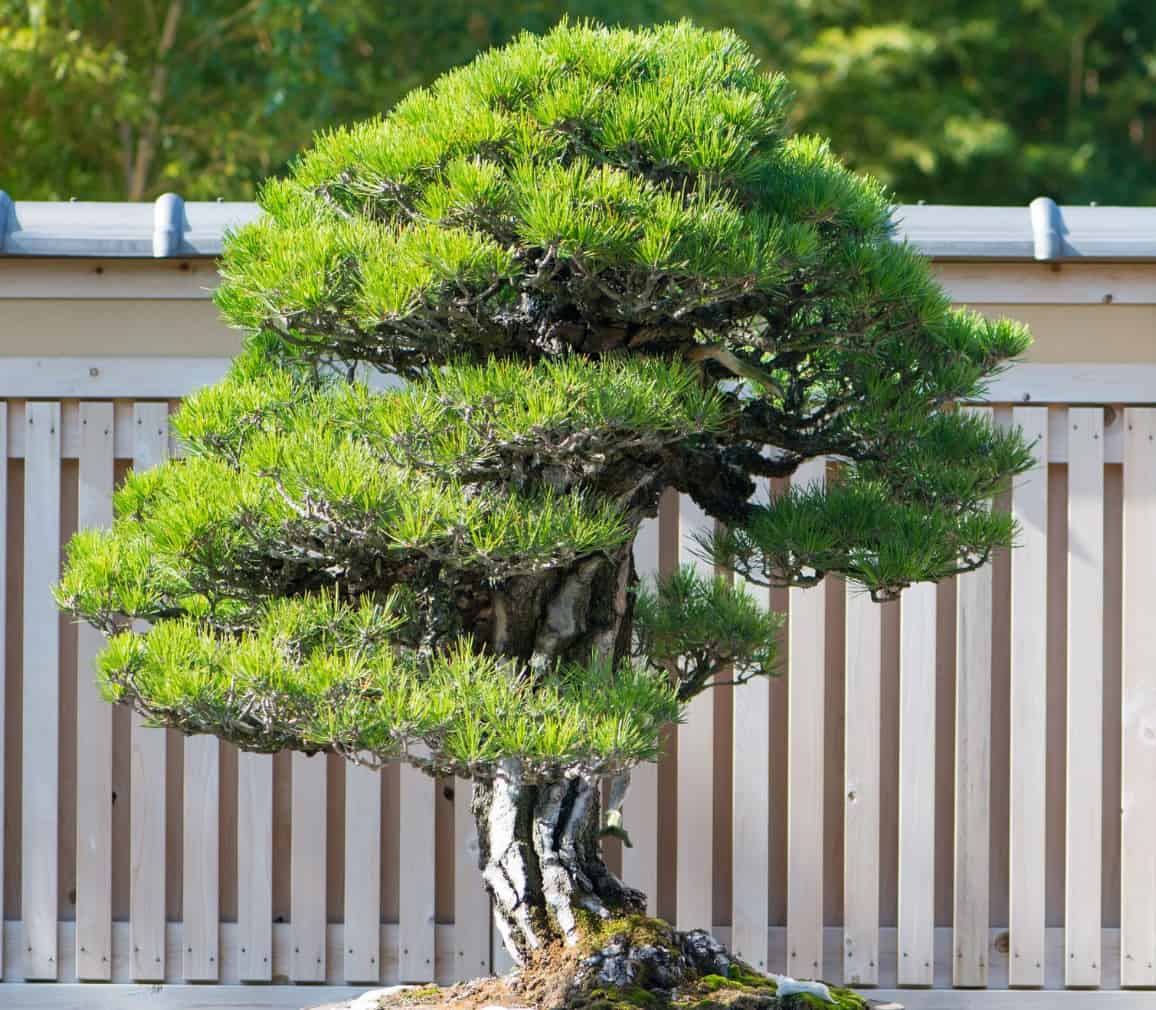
(559, 978)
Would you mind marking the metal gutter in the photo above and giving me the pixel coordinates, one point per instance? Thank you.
(172, 228)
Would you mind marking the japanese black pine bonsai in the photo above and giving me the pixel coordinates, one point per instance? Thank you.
(599, 267)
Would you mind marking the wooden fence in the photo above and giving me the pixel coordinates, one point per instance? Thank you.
(954, 790)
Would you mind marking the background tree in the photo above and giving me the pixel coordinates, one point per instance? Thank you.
(605, 269)
(963, 101)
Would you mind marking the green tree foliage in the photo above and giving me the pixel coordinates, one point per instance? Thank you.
(605, 268)
(960, 101)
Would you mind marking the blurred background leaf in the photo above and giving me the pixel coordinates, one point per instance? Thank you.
(961, 101)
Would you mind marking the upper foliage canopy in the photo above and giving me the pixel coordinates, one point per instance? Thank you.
(605, 270)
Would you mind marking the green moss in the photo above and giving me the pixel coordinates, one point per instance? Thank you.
(635, 930)
(747, 977)
(712, 983)
(632, 997)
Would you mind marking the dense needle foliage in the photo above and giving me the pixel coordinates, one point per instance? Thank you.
(602, 268)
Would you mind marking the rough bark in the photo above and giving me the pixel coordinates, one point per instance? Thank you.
(541, 859)
(540, 848)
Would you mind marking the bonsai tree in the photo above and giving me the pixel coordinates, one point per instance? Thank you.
(595, 266)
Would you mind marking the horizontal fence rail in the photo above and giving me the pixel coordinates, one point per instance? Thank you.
(955, 789)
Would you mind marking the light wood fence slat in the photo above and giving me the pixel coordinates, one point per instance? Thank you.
(147, 801)
(1138, 771)
(1082, 957)
(640, 810)
(806, 701)
(201, 843)
(1028, 704)
(4, 449)
(861, 795)
(93, 722)
(255, 866)
(972, 777)
(307, 867)
(750, 834)
(41, 692)
(362, 961)
(416, 846)
(917, 651)
(694, 859)
(471, 903)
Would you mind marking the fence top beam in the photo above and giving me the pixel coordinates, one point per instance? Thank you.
(171, 227)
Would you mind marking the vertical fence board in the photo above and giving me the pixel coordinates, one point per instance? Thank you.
(93, 722)
(3, 643)
(861, 796)
(972, 777)
(362, 874)
(415, 901)
(916, 938)
(640, 811)
(40, 786)
(307, 868)
(471, 903)
(807, 622)
(255, 866)
(1028, 722)
(750, 838)
(1085, 695)
(200, 845)
(1138, 770)
(694, 886)
(147, 802)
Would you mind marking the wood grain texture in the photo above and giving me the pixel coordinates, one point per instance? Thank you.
(916, 899)
(200, 861)
(640, 810)
(694, 888)
(806, 703)
(1138, 770)
(307, 868)
(93, 722)
(471, 903)
(255, 866)
(147, 801)
(417, 858)
(1028, 720)
(4, 444)
(362, 874)
(861, 788)
(1085, 758)
(750, 821)
(972, 777)
(40, 757)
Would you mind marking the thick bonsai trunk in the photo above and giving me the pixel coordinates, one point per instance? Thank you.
(541, 859)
